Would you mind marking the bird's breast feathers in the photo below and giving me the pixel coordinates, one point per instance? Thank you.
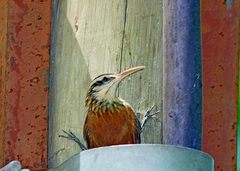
(111, 125)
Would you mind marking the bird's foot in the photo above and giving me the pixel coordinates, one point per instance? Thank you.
(71, 136)
(148, 115)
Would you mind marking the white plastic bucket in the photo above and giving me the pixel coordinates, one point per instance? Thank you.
(139, 157)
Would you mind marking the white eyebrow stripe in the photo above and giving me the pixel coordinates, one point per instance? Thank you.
(99, 78)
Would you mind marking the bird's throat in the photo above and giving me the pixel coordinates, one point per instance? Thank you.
(95, 105)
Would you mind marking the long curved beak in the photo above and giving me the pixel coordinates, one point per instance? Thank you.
(128, 72)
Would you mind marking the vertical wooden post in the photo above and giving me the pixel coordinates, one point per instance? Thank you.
(182, 101)
(95, 37)
(27, 66)
(220, 46)
(142, 45)
(3, 50)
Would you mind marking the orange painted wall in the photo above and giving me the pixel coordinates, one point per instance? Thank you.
(3, 50)
(24, 127)
(220, 44)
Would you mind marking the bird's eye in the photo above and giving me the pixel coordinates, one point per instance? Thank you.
(105, 79)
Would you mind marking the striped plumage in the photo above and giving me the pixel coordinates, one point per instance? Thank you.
(110, 120)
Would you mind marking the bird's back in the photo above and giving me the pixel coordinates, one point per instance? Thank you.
(111, 126)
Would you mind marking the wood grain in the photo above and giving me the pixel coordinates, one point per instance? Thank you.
(142, 45)
(87, 42)
(91, 38)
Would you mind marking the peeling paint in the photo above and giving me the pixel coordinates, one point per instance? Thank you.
(220, 75)
(3, 53)
(27, 62)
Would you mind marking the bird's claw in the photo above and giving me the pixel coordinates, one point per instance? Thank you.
(71, 136)
(147, 116)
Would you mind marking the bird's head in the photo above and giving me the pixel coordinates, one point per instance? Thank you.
(104, 87)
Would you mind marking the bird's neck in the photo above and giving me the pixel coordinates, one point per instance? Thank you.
(94, 104)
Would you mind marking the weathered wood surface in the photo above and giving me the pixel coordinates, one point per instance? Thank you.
(95, 37)
(3, 51)
(87, 43)
(182, 100)
(26, 68)
(142, 45)
(220, 51)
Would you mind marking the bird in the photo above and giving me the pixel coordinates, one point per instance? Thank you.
(110, 120)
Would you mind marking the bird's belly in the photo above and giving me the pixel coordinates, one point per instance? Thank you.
(112, 130)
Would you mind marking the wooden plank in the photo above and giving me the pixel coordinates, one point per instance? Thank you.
(87, 42)
(182, 99)
(27, 82)
(142, 45)
(220, 37)
(3, 50)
